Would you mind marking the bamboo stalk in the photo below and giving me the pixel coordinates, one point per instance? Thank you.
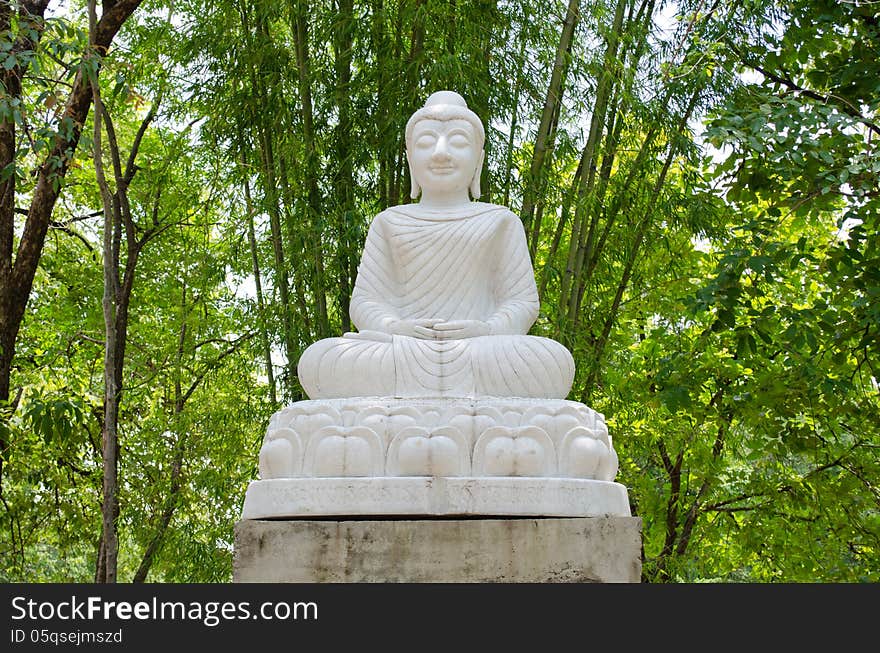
(301, 43)
(582, 239)
(543, 140)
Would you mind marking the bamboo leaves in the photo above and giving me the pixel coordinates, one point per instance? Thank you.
(699, 187)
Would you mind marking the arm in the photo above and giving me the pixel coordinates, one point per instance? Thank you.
(516, 294)
(372, 306)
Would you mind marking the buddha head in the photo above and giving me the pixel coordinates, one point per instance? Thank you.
(444, 146)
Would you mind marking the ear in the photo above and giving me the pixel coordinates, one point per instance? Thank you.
(475, 182)
(414, 188)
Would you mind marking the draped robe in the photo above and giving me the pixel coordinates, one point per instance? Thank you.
(470, 263)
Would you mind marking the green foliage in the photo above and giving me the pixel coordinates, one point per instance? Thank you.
(711, 258)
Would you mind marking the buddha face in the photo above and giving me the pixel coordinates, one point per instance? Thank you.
(443, 155)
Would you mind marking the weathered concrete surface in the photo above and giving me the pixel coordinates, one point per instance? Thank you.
(580, 549)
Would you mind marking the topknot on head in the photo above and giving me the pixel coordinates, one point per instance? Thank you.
(445, 97)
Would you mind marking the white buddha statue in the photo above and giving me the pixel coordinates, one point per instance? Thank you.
(440, 403)
(445, 292)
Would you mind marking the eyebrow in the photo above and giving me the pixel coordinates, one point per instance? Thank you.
(421, 131)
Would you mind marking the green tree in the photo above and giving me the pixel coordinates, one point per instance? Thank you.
(699, 185)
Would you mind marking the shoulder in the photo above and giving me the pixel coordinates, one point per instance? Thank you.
(508, 221)
(484, 207)
(498, 212)
(495, 213)
(380, 220)
(394, 213)
(383, 215)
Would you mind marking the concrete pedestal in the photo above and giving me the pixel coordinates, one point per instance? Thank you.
(475, 550)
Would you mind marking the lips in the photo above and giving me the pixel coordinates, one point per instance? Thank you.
(441, 169)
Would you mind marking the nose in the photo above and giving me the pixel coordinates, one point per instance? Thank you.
(441, 150)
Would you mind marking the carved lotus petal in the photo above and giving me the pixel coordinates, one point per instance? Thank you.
(348, 417)
(418, 452)
(464, 422)
(555, 425)
(511, 418)
(504, 451)
(502, 413)
(430, 417)
(558, 420)
(406, 411)
(312, 408)
(307, 423)
(357, 413)
(609, 466)
(344, 451)
(280, 458)
(275, 421)
(371, 413)
(601, 431)
(374, 418)
(401, 418)
(456, 410)
(487, 417)
(489, 411)
(587, 416)
(514, 457)
(582, 454)
(507, 406)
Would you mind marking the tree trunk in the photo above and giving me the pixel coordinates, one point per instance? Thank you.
(269, 180)
(258, 282)
(581, 239)
(17, 277)
(171, 499)
(296, 244)
(641, 231)
(639, 28)
(270, 187)
(29, 13)
(534, 236)
(115, 305)
(543, 142)
(171, 502)
(181, 397)
(344, 178)
(106, 572)
(480, 101)
(379, 44)
(301, 43)
(514, 122)
(565, 211)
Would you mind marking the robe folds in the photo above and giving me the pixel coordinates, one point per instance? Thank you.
(470, 263)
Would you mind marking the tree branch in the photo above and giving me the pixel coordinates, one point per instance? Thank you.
(841, 103)
(213, 364)
(70, 232)
(130, 168)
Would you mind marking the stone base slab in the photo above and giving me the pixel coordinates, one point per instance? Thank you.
(434, 496)
(591, 549)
